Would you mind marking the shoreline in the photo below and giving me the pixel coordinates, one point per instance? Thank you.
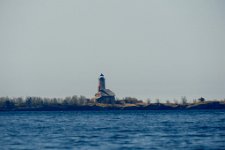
(207, 105)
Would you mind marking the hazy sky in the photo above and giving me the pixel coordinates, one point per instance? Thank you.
(146, 49)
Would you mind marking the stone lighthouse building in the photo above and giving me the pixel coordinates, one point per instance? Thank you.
(104, 95)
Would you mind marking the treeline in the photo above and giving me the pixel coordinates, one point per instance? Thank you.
(128, 100)
(67, 103)
(83, 103)
(27, 103)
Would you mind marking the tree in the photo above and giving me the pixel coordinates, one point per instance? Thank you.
(184, 100)
(175, 101)
(148, 101)
(194, 101)
(168, 102)
(28, 102)
(82, 100)
(201, 99)
(157, 101)
(131, 100)
(9, 104)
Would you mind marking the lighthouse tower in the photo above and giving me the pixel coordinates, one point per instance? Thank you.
(101, 85)
(104, 95)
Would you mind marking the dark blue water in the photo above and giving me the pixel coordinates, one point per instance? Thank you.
(113, 130)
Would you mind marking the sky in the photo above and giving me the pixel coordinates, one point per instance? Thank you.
(145, 48)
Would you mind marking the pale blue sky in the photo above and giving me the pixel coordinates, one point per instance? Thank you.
(146, 48)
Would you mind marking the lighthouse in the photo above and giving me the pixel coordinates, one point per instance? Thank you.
(101, 85)
(104, 95)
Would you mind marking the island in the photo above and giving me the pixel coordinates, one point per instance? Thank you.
(104, 99)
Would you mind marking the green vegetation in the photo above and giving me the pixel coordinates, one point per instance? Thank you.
(83, 103)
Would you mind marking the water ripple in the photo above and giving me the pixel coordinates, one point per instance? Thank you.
(113, 130)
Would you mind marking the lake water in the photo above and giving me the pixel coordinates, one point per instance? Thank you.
(113, 130)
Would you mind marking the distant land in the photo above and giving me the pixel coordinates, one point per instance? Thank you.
(104, 99)
(81, 103)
